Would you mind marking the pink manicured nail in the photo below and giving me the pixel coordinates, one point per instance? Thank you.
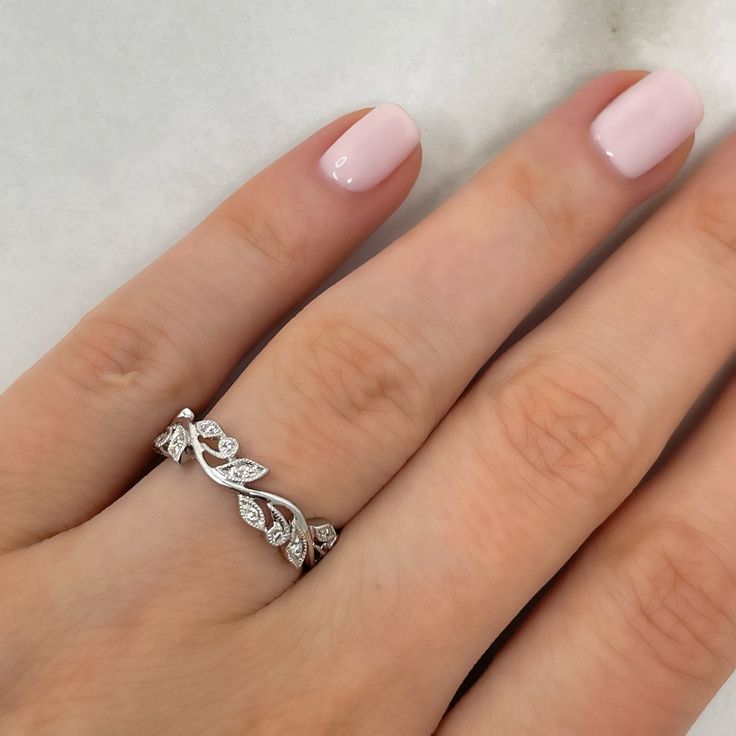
(367, 153)
(644, 124)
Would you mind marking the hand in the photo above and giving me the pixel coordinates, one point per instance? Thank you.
(135, 601)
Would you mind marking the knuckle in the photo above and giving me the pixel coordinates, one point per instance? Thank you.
(130, 354)
(711, 217)
(559, 432)
(552, 212)
(270, 240)
(675, 592)
(356, 374)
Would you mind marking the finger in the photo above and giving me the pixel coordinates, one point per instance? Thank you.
(541, 449)
(88, 409)
(347, 391)
(641, 631)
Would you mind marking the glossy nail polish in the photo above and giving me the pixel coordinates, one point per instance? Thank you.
(371, 149)
(648, 121)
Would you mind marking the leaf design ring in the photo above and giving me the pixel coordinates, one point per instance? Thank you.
(304, 542)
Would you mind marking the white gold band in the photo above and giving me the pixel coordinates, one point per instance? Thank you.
(303, 541)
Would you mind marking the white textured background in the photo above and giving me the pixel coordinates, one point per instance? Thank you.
(122, 123)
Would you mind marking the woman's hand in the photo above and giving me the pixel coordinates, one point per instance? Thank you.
(137, 602)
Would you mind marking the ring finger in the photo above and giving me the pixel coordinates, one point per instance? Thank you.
(93, 402)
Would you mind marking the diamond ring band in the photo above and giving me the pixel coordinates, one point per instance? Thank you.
(304, 542)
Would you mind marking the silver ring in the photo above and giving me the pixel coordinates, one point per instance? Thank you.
(304, 542)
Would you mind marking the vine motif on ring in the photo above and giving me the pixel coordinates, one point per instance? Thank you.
(303, 541)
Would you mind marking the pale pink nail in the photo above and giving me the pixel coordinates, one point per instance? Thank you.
(644, 124)
(370, 150)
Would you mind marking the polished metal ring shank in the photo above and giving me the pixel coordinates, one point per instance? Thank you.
(303, 541)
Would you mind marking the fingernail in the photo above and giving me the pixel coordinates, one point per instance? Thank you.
(365, 154)
(644, 124)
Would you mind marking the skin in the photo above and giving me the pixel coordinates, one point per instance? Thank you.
(135, 601)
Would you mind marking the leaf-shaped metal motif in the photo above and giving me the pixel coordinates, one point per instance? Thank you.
(275, 535)
(251, 512)
(162, 440)
(228, 447)
(325, 533)
(303, 542)
(177, 442)
(296, 549)
(280, 531)
(241, 470)
(209, 428)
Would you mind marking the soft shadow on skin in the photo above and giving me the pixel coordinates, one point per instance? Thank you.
(484, 662)
(580, 273)
(695, 415)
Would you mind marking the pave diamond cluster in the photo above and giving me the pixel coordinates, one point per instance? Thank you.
(303, 542)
